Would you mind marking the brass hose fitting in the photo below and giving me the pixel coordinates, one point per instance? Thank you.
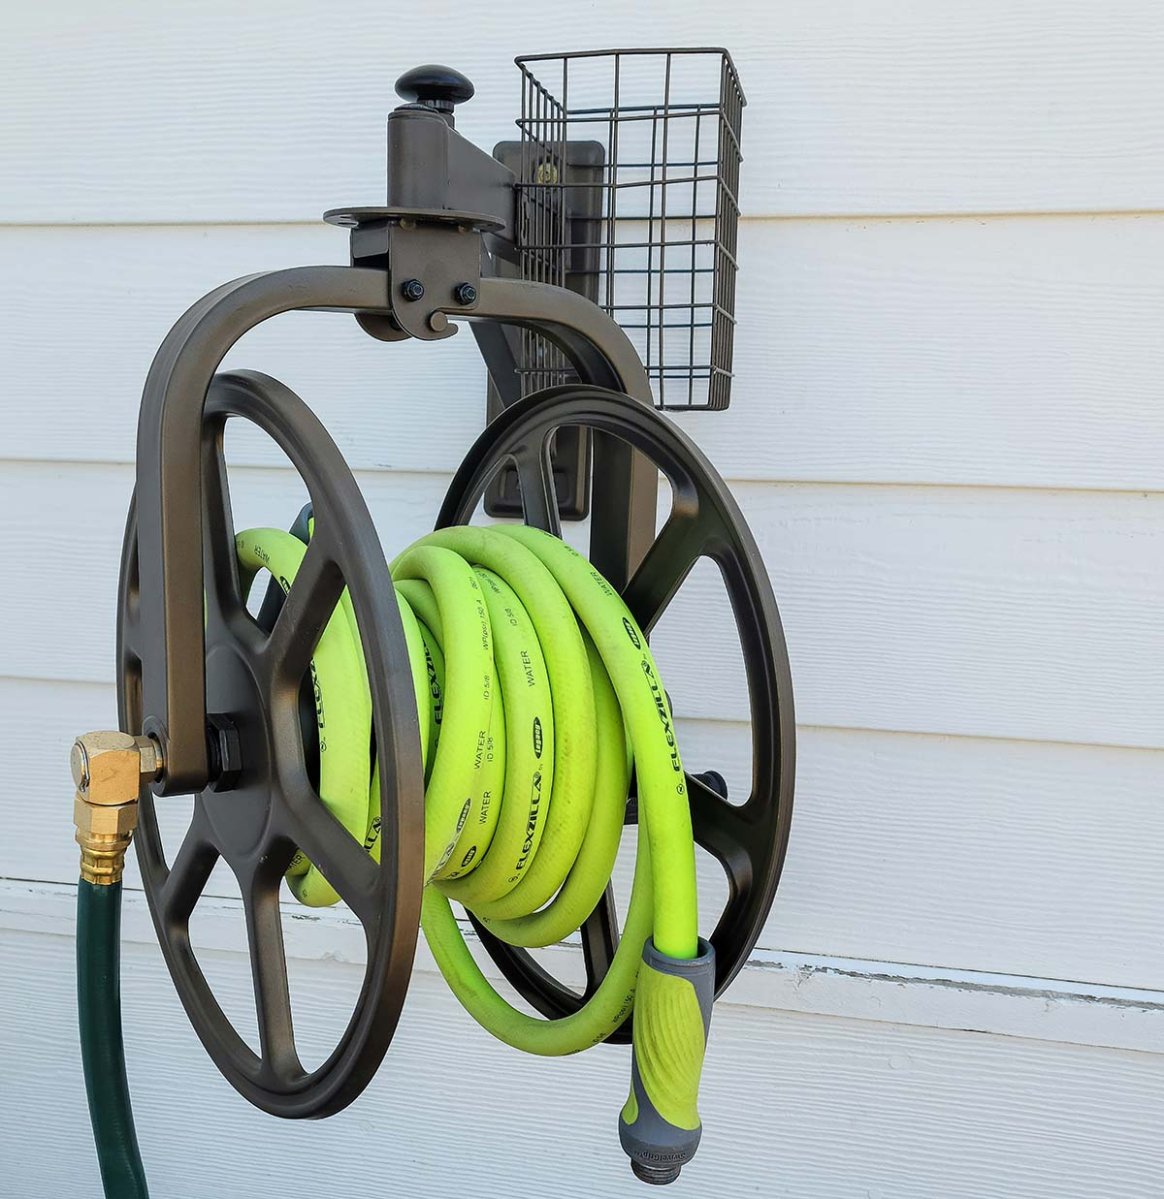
(109, 770)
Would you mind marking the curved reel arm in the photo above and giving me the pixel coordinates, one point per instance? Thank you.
(169, 482)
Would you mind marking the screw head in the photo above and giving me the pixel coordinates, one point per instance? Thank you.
(412, 289)
(465, 293)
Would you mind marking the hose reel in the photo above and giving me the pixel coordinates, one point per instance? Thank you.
(220, 693)
(257, 821)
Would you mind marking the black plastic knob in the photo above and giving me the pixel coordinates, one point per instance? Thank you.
(436, 87)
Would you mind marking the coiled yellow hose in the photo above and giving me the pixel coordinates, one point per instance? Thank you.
(536, 692)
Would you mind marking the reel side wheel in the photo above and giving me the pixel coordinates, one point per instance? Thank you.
(748, 840)
(262, 807)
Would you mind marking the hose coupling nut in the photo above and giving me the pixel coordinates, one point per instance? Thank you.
(109, 770)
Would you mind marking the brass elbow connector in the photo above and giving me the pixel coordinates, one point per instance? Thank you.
(109, 770)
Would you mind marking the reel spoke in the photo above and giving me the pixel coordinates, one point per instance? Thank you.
(269, 976)
(190, 871)
(309, 604)
(129, 623)
(339, 857)
(223, 590)
(130, 633)
(667, 563)
(725, 831)
(600, 938)
(539, 493)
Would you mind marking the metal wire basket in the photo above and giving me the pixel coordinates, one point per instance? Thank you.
(628, 185)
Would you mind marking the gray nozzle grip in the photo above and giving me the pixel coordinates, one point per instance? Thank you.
(659, 1126)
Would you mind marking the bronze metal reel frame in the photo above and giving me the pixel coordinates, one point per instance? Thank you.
(221, 696)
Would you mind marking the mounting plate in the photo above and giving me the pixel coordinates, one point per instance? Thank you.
(570, 452)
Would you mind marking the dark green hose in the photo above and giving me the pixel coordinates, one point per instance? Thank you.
(102, 1051)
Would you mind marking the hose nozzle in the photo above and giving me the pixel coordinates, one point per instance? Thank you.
(659, 1126)
(109, 769)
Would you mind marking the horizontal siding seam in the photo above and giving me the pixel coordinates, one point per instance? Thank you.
(863, 730)
(379, 473)
(783, 218)
(1017, 1007)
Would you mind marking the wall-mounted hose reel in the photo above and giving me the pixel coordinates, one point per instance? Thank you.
(481, 731)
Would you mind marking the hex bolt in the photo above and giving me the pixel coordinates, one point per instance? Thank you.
(224, 750)
(465, 293)
(412, 289)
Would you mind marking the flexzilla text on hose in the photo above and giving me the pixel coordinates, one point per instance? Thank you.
(536, 691)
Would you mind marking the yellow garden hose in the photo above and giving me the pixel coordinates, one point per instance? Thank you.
(537, 692)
